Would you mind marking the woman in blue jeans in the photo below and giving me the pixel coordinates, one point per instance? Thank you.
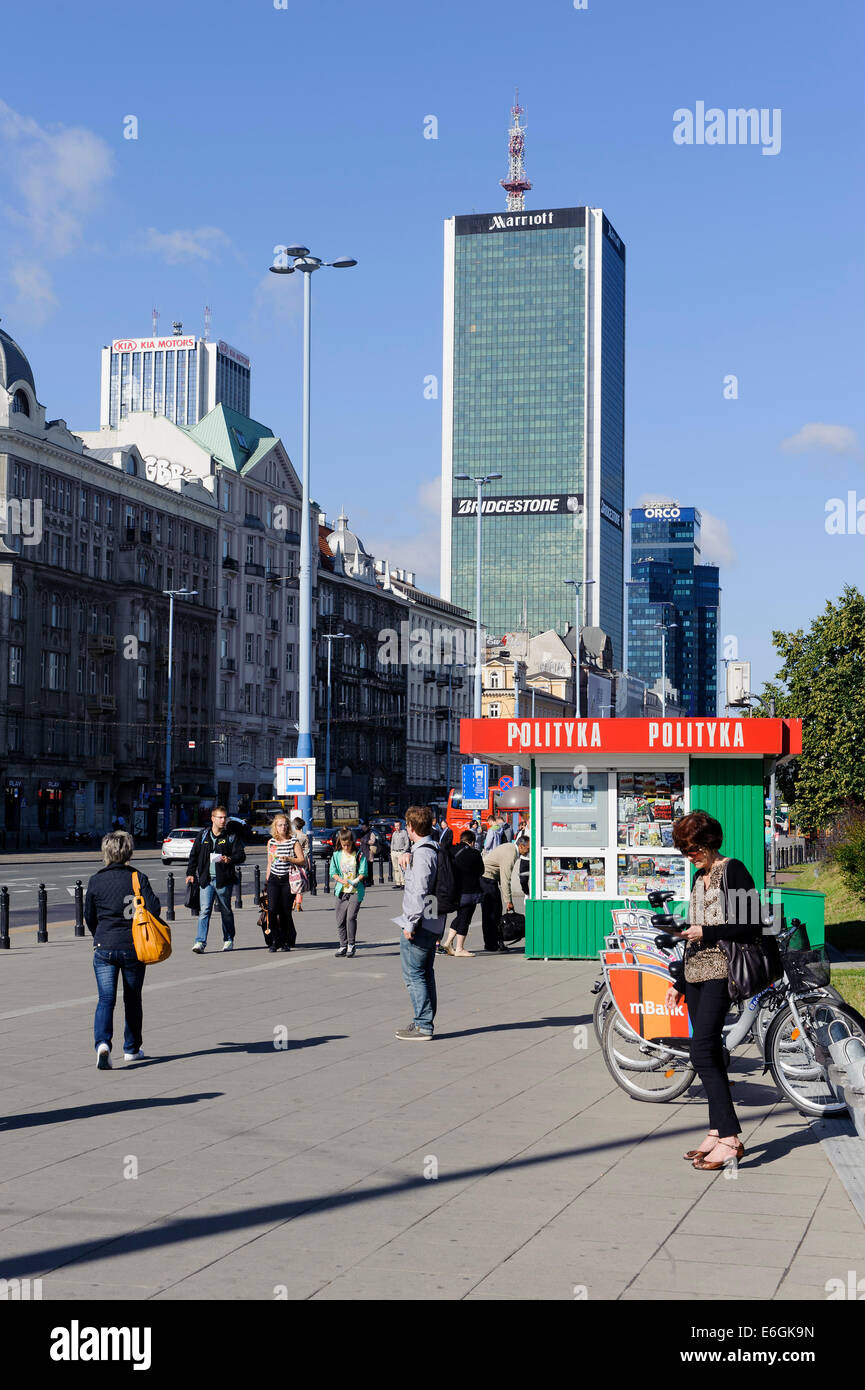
(108, 909)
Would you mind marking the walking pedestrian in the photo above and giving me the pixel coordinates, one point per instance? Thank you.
(507, 832)
(716, 914)
(499, 867)
(399, 845)
(303, 840)
(212, 863)
(493, 838)
(348, 870)
(108, 910)
(468, 868)
(284, 858)
(420, 926)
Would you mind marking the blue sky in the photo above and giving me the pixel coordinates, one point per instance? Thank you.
(257, 126)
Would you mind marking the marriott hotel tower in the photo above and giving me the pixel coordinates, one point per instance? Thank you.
(533, 387)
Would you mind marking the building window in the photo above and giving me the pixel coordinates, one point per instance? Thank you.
(16, 665)
(20, 404)
(289, 611)
(226, 497)
(17, 604)
(13, 733)
(142, 682)
(493, 711)
(250, 598)
(248, 647)
(494, 679)
(82, 504)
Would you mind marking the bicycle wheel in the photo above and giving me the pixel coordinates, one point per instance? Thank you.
(792, 1059)
(645, 1072)
(603, 1003)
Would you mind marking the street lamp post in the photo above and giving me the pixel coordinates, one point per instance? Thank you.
(457, 666)
(579, 585)
(306, 264)
(480, 483)
(665, 628)
(330, 638)
(166, 790)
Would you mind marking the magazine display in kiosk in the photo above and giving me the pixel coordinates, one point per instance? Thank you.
(647, 805)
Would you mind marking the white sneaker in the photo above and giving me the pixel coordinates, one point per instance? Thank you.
(198, 948)
(133, 1056)
(103, 1057)
(228, 945)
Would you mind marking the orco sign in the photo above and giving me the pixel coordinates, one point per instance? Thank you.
(665, 513)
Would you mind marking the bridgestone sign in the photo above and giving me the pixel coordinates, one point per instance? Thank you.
(528, 504)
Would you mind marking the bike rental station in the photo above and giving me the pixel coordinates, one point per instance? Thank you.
(604, 796)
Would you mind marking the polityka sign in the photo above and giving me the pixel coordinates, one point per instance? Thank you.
(529, 504)
(661, 736)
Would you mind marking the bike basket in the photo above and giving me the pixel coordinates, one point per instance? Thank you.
(808, 969)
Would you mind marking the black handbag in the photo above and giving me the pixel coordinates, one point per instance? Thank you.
(193, 897)
(513, 926)
(748, 971)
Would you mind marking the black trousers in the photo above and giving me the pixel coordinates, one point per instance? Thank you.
(491, 914)
(280, 901)
(708, 1005)
(460, 924)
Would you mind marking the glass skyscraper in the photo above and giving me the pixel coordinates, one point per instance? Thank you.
(533, 388)
(671, 585)
(183, 378)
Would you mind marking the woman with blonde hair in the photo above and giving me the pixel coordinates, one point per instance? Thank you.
(348, 869)
(282, 881)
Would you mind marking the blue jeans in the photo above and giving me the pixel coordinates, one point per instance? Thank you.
(223, 900)
(107, 966)
(418, 958)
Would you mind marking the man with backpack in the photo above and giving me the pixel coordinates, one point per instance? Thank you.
(494, 835)
(212, 864)
(430, 890)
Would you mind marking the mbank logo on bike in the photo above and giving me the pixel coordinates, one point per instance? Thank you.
(650, 1007)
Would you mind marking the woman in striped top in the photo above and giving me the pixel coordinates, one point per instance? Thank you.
(284, 858)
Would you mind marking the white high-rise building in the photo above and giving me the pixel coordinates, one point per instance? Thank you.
(179, 376)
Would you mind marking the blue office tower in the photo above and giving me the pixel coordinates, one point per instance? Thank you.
(670, 585)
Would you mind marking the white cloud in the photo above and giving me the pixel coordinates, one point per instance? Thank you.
(196, 244)
(820, 438)
(646, 499)
(53, 180)
(277, 297)
(716, 542)
(418, 550)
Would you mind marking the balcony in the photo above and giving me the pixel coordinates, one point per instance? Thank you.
(441, 711)
(146, 537)
(130, 535)
(258, 571)
(273, 625)
(101, 642)
(273, 673)
(94, 704)
(229, 615)
(441, 746)
(108, 703)
(227, 663)
(229, 564)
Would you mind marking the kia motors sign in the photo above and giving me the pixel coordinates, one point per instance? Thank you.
(150, 344)
(231, 353)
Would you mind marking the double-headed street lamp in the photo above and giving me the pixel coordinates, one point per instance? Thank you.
(171, 595)
(480, 483)
(665, 627)
(306, 264)
(579, 585)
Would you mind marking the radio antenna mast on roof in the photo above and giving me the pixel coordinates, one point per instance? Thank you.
(516, 184)
(206, 322)
(154, 317)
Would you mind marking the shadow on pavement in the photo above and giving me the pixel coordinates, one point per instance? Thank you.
(226, 1049)
(90, 1112)
(569, 1022)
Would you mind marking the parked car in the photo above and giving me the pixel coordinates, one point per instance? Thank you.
(322, 841)
(177, 844)
(384, 828)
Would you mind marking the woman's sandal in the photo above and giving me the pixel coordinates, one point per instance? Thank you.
(698, 1153)
(737, 1150)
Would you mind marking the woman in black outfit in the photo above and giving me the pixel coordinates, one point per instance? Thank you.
(719, 911)
(468, 867)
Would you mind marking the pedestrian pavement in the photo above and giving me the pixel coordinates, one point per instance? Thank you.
(279, 1142)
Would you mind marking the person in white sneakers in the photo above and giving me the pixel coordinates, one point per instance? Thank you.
(108, 908)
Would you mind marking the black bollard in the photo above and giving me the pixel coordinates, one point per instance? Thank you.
(380, 869)
(256, 897)
(389, 869)
(325, 875)
(238, 901)
(4, 918)
(79, 907)
(169, 888)
(313, 875)
(42, 929)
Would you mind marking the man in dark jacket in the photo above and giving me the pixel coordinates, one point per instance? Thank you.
(108, 910)
(212, 862)
(468, 868)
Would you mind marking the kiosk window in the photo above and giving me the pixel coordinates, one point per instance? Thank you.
(574, 816)
(640, 874)
(648, 803)
(570, 874)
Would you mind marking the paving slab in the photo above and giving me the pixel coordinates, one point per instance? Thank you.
(304, 1171)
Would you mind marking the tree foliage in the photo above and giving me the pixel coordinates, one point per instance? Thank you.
(822, 682)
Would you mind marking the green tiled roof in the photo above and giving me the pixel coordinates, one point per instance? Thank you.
(232, 439)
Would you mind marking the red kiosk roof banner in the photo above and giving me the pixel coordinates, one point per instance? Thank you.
(499, 737)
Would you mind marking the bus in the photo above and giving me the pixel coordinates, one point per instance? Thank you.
(330, 813)
(334, 813)
(460, 820)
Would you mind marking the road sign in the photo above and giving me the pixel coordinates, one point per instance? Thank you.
(295, 776)
(476, 786)
(505, 783)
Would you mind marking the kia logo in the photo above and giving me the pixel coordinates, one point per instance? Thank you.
(124, 346)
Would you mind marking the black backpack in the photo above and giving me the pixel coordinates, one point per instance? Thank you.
(446, 892)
